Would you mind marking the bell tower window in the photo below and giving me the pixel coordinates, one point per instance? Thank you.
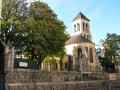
(74, 28)
(85, 36)
(86, 27)
(83, 26)
(78, 27)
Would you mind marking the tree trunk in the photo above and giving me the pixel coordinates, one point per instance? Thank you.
(40, 59)
(39, 64)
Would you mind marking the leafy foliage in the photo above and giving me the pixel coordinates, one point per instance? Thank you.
(109, 52)
(13, 13)
(33, 29)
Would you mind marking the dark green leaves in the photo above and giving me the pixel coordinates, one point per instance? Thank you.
(110, 50)
(33, 29)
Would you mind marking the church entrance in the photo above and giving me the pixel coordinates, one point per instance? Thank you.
(70, 63)
(2, 74)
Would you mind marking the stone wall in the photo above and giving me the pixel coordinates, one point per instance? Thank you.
(40, 76)
(117, 76)
(54, 80)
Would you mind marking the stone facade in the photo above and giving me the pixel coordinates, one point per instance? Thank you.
(80, 44)
(22, 76)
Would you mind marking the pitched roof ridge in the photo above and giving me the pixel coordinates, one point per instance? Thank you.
(80, 15)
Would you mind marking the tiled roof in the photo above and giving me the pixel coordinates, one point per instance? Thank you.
(80, 15)
(77, 39)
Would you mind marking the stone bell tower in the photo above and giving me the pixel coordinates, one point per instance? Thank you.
(81, 26)
(80, 49)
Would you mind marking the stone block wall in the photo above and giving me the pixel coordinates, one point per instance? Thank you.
(40, 76)
(55, 80)
(117, 76)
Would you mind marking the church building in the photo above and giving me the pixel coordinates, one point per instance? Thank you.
(80, 50)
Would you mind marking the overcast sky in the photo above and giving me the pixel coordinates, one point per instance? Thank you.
(104, 15)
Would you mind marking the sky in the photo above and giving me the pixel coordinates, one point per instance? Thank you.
(104, 15)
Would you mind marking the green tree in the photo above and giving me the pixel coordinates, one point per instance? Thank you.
(33, 29)
(52, 60)
(47, 32)
(109, 51)
(13, 13)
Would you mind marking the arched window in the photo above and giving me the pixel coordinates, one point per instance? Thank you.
(78, 27)
(84, 35)
(65, 64)
(70, 61)
(83, 26)
(86, 27)
(86, 49)
(91, 55)
(74, 28)
(79, 52)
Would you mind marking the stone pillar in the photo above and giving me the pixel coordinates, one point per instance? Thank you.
(5, 56)
(12, 58)
(0, 7)
(58, 66)
(0, 13)
(9, 58)
(74, 61)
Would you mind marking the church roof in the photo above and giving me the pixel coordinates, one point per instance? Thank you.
(80, 15)
(77, 39)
